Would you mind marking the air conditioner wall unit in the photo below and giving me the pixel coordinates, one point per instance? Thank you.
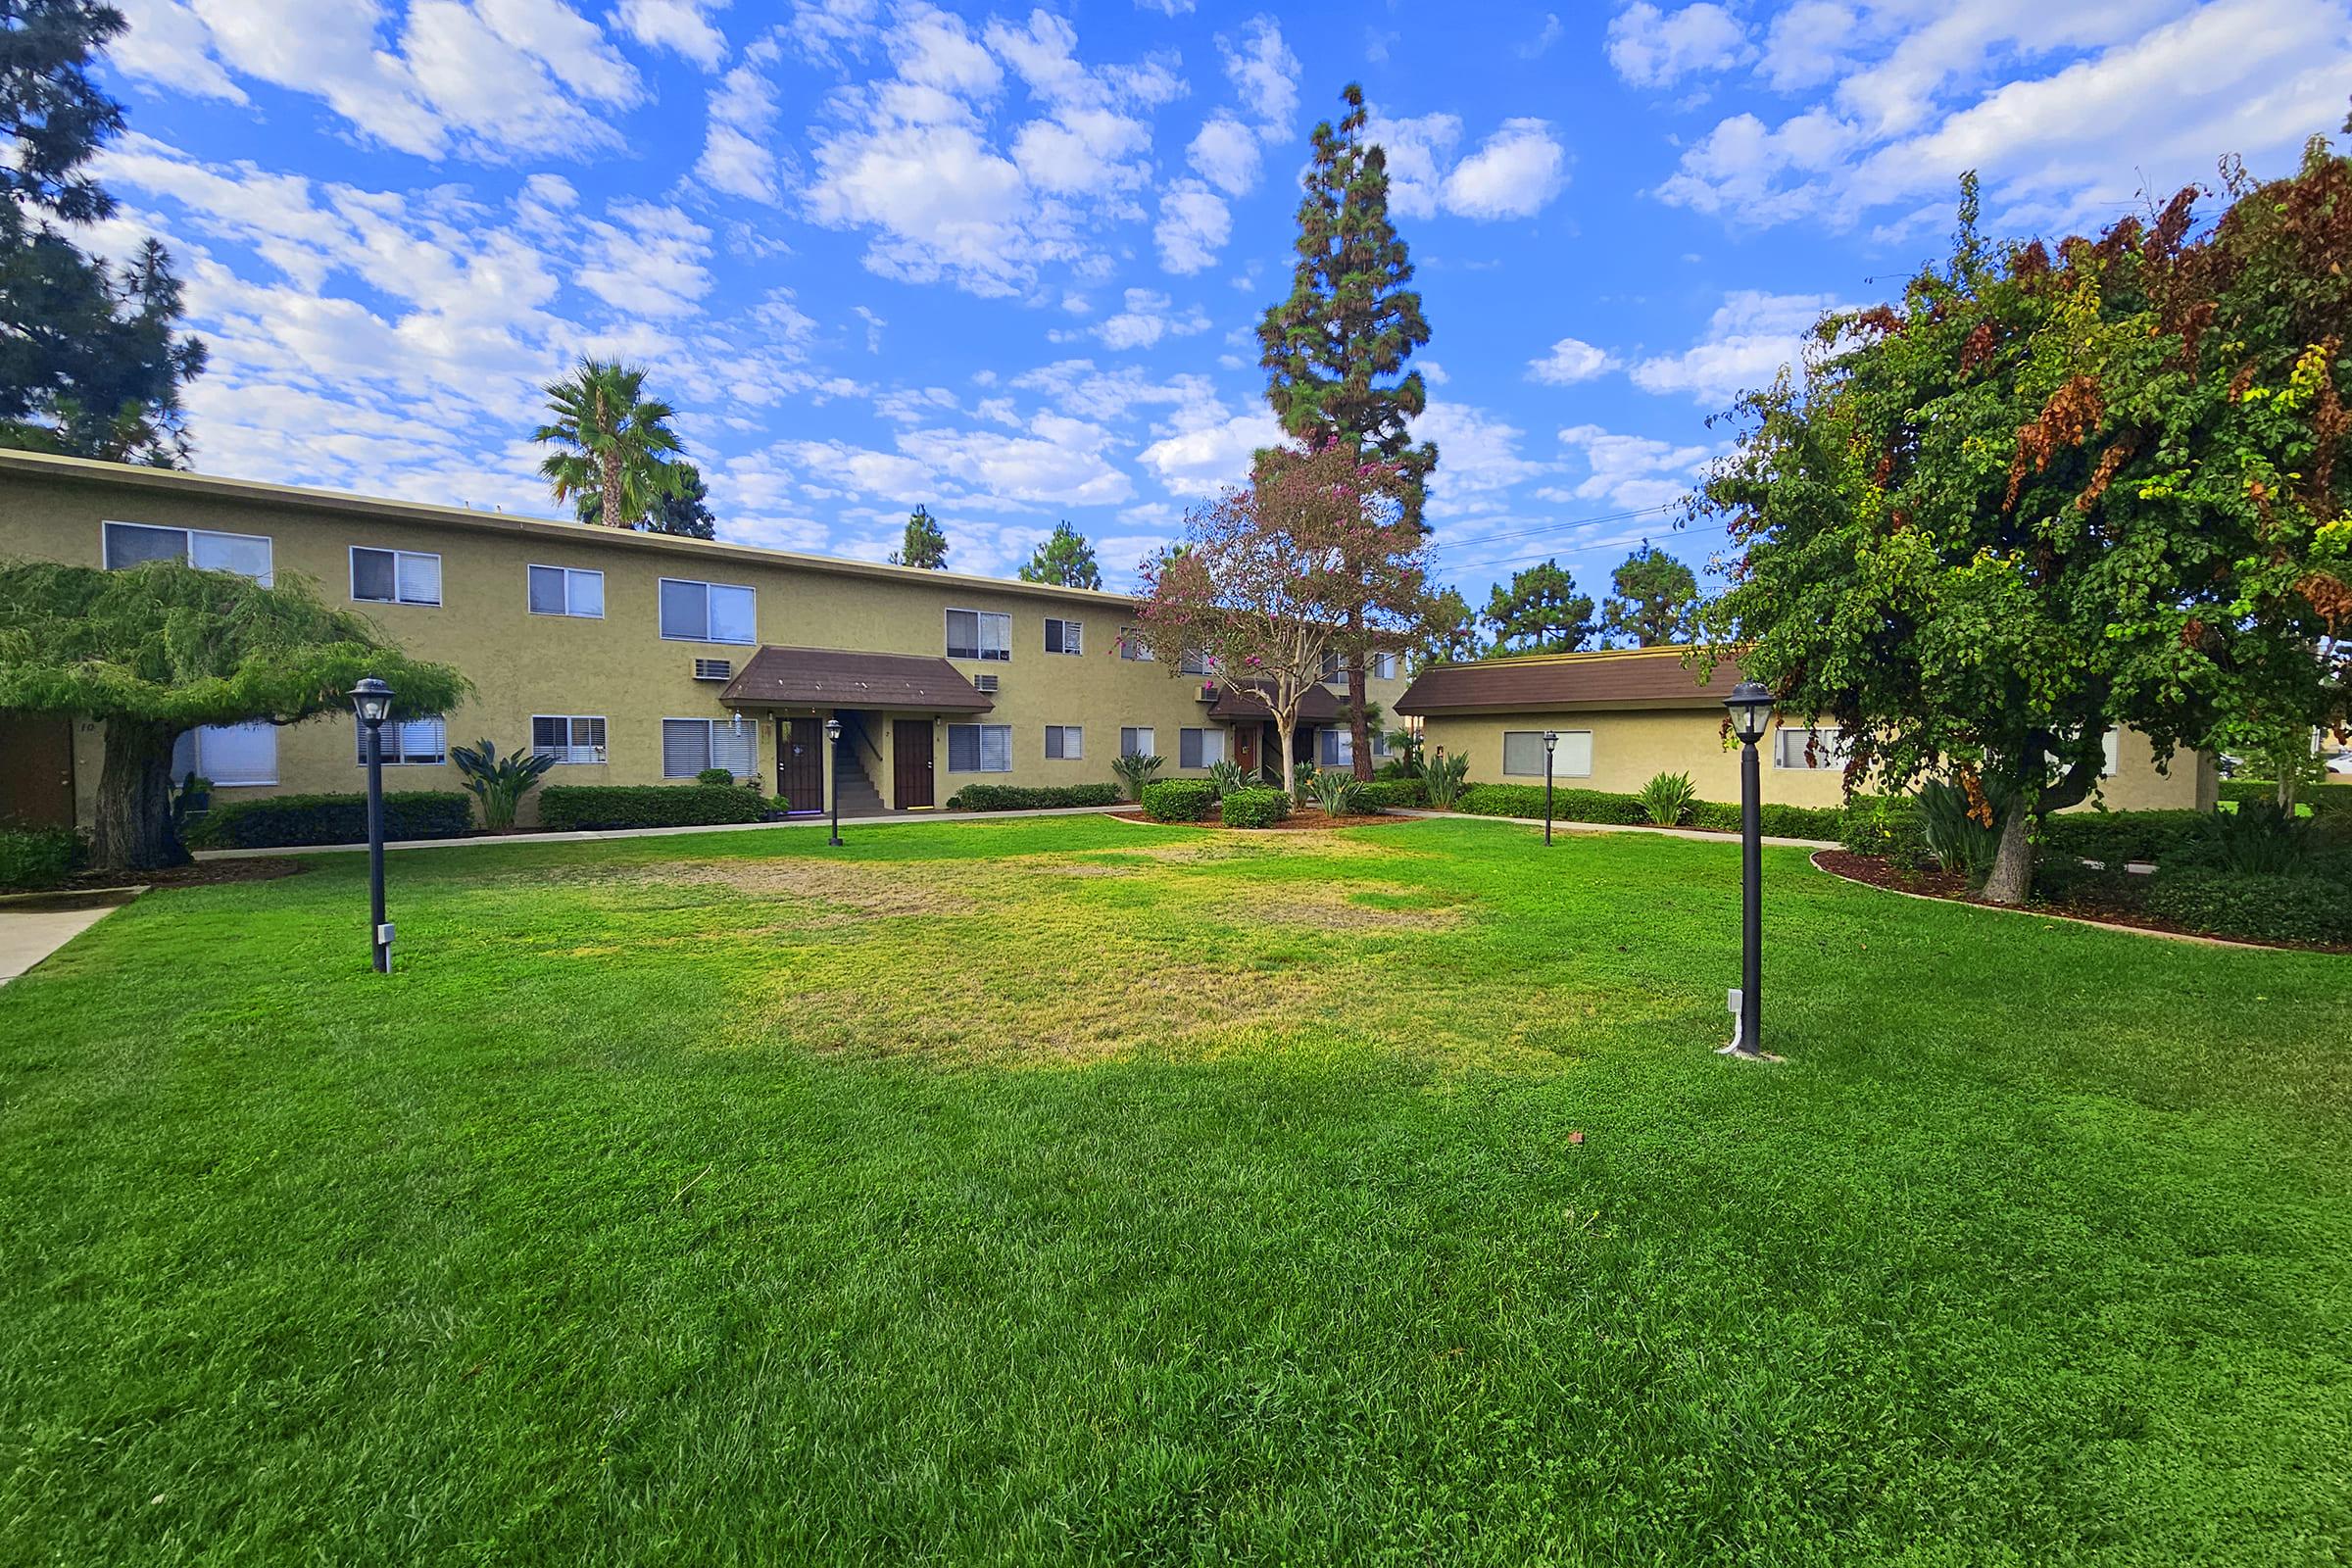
(714, 668)
(983, 683)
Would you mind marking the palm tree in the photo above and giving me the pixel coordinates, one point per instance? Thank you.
(615, 440)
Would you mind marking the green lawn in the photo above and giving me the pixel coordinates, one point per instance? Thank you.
(1065, 1190)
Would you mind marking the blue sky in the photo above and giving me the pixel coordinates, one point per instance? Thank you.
(1006, 263)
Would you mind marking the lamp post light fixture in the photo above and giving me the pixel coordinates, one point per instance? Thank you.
(1551, 743)
(832, 774)
(1750, 708)
(371, 700)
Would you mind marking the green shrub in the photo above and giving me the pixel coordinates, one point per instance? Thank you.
(2064, 879)
(1135, 772)
(2112, 838)
(1885, 825)
(2323, 799)
(1386, 794)
(2252, 905)
(1955, 837)
(499, 782)
(715, 776)
(1227, 775)
(1256, 807)
(1800, 822)
(1667, 797)
(1179, 800)
(1443, 780)
(1567, 805)
(34, 858)
(280, 821)
(573, 808)
(1019, 798)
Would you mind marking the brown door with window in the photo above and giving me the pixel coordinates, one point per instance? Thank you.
(800, 764)
(36, 769)
(1244, 748)
(910, 763)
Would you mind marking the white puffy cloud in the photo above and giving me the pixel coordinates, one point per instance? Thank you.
(1807, 44)
(1207, 448)
(1478, 461)
(736, 156)
(1145, 318)
(1264, 75)
(683, 26)
(1225, 154)
(1513, 173)
(167, 42)
(1630, 472)
(648, 261)
(1750, 337)
(1570, 360)
(1193, 225)
(1654, 48)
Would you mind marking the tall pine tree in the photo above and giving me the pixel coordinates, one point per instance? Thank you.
(1541, 612)
(1655, 602)
(1334, 354)
(924, 544)
(1065, 559)
(91, 359)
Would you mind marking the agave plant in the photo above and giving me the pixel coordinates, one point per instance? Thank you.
(1667, 797)
(1336, 792)
(1227, 775)
(1445, 776)
(499, 782)
(1303, 780)
(1134, 772)
(1957, 834)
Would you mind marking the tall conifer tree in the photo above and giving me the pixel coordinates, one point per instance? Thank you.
(1334, 354)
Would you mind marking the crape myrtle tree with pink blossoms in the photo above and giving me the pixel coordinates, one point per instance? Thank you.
(1260, 585)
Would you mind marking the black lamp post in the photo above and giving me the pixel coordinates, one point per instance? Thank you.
(1551, 742)
(1750, 706)
(833, 775)
(371, 700)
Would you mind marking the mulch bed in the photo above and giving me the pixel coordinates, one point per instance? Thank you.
(1952, 887)
(203, 873)
(1307, 819)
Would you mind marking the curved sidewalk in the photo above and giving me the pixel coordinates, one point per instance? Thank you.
(1562, 825)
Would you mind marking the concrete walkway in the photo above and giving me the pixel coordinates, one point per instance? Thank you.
(30, 933)
(1559, 826)
(848, 824)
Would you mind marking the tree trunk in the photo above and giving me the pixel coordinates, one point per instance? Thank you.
(609, 504)
(135, 831)
(2012, 875)
(1282, 741)
(2287, 786)
(1360, 729)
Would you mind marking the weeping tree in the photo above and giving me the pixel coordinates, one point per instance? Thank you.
(159, 649)
(2055, 489)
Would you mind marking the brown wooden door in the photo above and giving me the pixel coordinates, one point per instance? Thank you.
(36, 769)
(1244, 748)
(910, 763)
(800, 764)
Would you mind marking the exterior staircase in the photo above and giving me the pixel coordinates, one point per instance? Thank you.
(853, 786)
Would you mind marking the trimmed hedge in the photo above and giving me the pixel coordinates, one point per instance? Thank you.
(1382, 794)
(34, 859)
(1773, 820)
(280, 821)
(1627, 811)
(2246, 903)
(2321, 798)
(573, 808)
(1179, 800)
(1890, 826)
(1254, 807)
(1016, 798)
(2113, 837)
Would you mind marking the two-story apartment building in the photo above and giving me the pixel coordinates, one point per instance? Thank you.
(638, 657)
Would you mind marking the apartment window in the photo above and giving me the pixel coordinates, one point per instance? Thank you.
(691, 744)
(229, 754)
(1335, 745)
(979, 634)
(1192, 664)
(395, 577)
(1061, 636)
(567, 591)
(1335, 673)
(408, 743)
(248, 555)
(1199, 748)
(2108, 756)
(1136, 742)
(979, 747)
(1523, 754)
(1384, 666)
(1133, 647)
(569, 737)
(1808, 750)
(1065, 743)
(705, 611)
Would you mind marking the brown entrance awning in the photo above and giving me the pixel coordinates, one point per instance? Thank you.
(1239, 703)
(832, 677)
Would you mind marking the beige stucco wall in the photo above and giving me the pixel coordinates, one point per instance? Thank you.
(620, 666)
(1630, 748)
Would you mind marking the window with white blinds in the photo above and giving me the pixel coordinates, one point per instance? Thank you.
(229, 754)
(412, 743)
(569, 737)
(1065, 743)
(1133, 647)
(1808, 750)
(567, 591)
(1193, 663)
(1523, 754)
(1136, 740)
(126, 544)
(690, 745)
(1064, 636)
(979, 634)
(395, 577)
(1199, 748)
(979, 747)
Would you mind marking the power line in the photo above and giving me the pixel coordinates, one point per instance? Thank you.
(1518, 561)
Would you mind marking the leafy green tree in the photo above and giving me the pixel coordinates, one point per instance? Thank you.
(157, 650)
(685, 512)
(1539, 613)
(1333, 352)
(1065, 558)
(1655, 600)
(91, 357)
(2044, 494)
(1449, 633)
(615, 442)
(925, 545)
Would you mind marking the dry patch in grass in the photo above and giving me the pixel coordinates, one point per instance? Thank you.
(1348, 907)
